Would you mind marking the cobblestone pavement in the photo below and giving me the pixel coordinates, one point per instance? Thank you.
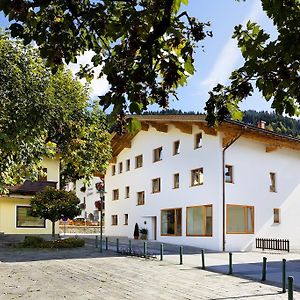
(87, 274)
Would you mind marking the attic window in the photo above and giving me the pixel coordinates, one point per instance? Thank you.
(139, 161)
(157, 154)
(128, 165)
(198, 140)
(273, 182)
(113, 170)
(229, 174)
(120, 167)
(176, 147)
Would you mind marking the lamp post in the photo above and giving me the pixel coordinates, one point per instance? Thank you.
(100, 189)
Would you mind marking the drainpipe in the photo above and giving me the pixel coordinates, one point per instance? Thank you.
(224, 195)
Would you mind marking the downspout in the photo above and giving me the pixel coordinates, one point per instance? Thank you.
(224, 195)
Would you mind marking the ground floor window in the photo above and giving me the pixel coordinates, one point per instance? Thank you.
(240, 219)
(114, 220)
(25, 219)
(171, 221)
(199, 220)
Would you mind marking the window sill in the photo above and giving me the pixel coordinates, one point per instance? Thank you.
(156, 192)
(198, 235)
(196, 184)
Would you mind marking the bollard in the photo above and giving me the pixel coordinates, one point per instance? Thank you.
(283, 275)
(117, 245)
(203, 261)
(230, 264)
(145, 249)
(96, 241)
(264, 269)
(106, 243)
(129, 246)
(290, 288)
(161, 251)
(100, 244)
(180, 254)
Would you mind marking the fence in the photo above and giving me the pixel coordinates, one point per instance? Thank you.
(273, 244)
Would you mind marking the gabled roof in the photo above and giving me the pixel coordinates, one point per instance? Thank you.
(229, 129)
(31, 188)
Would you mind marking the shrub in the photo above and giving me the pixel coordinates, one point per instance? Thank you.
(38, 242)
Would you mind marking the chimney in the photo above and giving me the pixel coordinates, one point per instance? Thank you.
(261, 124)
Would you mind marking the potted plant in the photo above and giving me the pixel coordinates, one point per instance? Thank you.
(136, 233)
(144, 233)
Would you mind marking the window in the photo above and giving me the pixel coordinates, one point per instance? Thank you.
(140, 198)
(127, 191)
(156, 185)
(197, 177)
(199, 220)
(120, 167)
(198, 140)
(273, 182)
(43, 176)
(240, 219)
(276, 212)
(228, 173)
(176, 147)
(139, 161)
(171, 221)
(157, 154)
(176, 181)
(115, 195)
(128, 165)
(26, 220)
(114, 220)
(113, 170)
(126, 219)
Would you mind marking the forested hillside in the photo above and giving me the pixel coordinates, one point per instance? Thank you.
(276, 123)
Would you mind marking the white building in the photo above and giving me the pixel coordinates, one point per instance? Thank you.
(168, 177)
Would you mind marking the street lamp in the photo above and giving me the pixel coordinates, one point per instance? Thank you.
(100, 189)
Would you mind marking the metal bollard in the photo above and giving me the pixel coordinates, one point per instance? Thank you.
(129, 246)
(283, 275)
(96, 241)
(203, 261)
(106, 243)
(145, 249)
(290, 288)
(117, 245)
(230, 264)
(180, 255)
(100, 244)
(264, 269)
(161, 251)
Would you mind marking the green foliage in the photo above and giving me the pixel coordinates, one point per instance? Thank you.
(43, 114)
(54, 204)
(272, 66)
(39, 242)
(145, 48)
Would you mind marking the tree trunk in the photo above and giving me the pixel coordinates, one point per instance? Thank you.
(53, 230)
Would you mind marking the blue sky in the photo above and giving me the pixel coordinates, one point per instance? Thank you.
(220, 55)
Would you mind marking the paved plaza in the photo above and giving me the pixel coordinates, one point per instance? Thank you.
(87, 274)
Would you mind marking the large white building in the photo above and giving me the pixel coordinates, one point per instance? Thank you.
(213, 188)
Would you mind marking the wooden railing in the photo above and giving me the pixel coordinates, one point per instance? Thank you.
(273, 244)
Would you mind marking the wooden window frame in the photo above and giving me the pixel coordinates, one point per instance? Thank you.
(176, 147)
(273, 185)
(125, 219)
(139, 193)
(198, 145)
(113, 170)
(114, 217)
(157, 154)
(230, 171)
(204, 222)
(276, 211)
(175, 222)
(120, 167)
(127, 192)
(246, 218)
(114, 193)
(137, 166)
(17, 218)
(192, 173)
(153, 185)
(174, 181)
(127, 165)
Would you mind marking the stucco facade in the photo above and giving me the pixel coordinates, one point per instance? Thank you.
(11, 205)
(251, 160)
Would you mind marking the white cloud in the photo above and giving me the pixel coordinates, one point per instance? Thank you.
(98, 86)
(230, 54)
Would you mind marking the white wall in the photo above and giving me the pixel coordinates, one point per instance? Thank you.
(52, 166)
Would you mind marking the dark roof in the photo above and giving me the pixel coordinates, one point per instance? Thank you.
(31, 188)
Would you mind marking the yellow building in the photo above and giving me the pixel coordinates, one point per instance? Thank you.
(15, 217)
